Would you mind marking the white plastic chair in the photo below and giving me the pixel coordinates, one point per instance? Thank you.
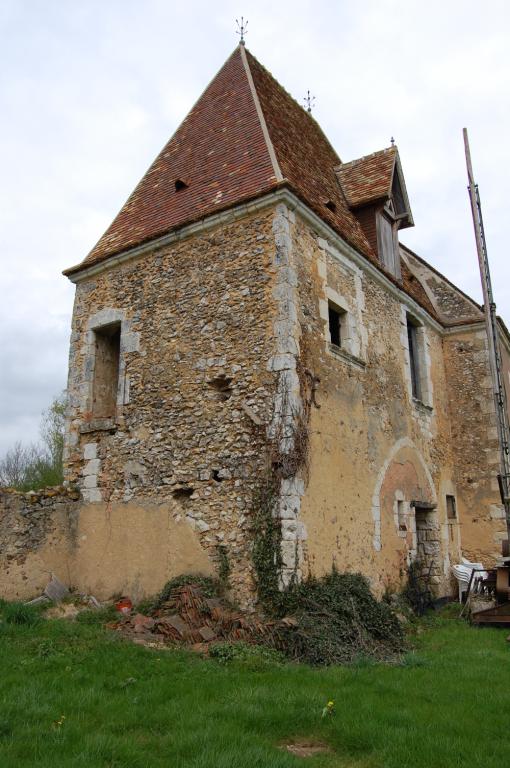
(462, 572)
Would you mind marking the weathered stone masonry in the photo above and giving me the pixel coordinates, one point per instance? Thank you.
(213, 334)
(202, 317)
(372, 446)
(249, 316)
(42, 523)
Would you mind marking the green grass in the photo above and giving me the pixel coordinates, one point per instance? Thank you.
(127, 706)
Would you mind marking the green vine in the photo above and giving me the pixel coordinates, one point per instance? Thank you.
(223, 565)
(267, 535)
(288, 456)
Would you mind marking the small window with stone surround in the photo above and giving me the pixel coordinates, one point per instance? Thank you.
(417, 362)
(401, 515)
(336, 323)
(414, 357)
(106, 371)
(451, 507)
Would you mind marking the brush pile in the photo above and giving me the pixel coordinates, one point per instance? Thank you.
(332, 620)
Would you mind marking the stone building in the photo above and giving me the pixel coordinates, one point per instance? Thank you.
(250, 325)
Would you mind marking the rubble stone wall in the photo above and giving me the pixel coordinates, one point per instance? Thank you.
(224, 343)
(36, 533)
(475, 444)
(451, 304)
(204, 344)
(376, 452)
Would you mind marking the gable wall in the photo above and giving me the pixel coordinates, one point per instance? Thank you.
(475, 442)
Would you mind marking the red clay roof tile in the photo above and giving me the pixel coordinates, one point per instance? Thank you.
(369, 178)
(306, 158)
(221, 153)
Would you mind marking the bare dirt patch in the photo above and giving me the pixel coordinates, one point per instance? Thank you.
(306, 747)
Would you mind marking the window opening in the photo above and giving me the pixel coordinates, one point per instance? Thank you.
(387, 243)
(331, 205)
(106, 371)
(413, 358)
(402, 526)
(451, 507)
(335, 324)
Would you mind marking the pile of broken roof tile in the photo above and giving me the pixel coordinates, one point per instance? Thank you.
(190, 618)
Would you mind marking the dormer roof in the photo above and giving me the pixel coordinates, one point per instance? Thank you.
(376, 178)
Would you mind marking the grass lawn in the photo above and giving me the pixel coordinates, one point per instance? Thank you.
(129, 706)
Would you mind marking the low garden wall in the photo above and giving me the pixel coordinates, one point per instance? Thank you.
(100, 549)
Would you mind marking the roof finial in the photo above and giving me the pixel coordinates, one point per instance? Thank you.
(392, 141)
(242, 29)
(309, 100)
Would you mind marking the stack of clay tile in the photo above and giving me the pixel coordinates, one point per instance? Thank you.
(188, 617)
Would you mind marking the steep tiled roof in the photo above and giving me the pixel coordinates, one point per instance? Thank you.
(219, 151)
(245, 137)
(306, 158)
(224, 153)
(369, 178)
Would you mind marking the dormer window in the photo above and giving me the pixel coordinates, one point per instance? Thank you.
(387, 241)
(375, 191)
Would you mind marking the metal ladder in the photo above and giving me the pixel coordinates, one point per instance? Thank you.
(491, 323)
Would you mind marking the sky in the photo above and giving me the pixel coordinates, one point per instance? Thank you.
(91, 90)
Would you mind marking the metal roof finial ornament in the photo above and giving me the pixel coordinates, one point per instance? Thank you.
(309, 100)
(392, 141)
(242, 29)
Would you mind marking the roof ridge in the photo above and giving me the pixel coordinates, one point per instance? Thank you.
(367, 157)
(147, 173)
(244, 137)
(437, 272)
(305, 111)
(272, 154)
(208, 151)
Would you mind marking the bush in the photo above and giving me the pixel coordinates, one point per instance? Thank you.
(338, 621)
(30, 467)
(418, 591)
(21, 614)
(208, 586)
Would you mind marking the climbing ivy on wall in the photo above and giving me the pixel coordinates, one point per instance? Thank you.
(287, 457)
(267, 535)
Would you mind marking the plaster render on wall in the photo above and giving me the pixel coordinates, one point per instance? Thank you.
(404, 442)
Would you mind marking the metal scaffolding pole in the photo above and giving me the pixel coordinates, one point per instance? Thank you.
(491, 324)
